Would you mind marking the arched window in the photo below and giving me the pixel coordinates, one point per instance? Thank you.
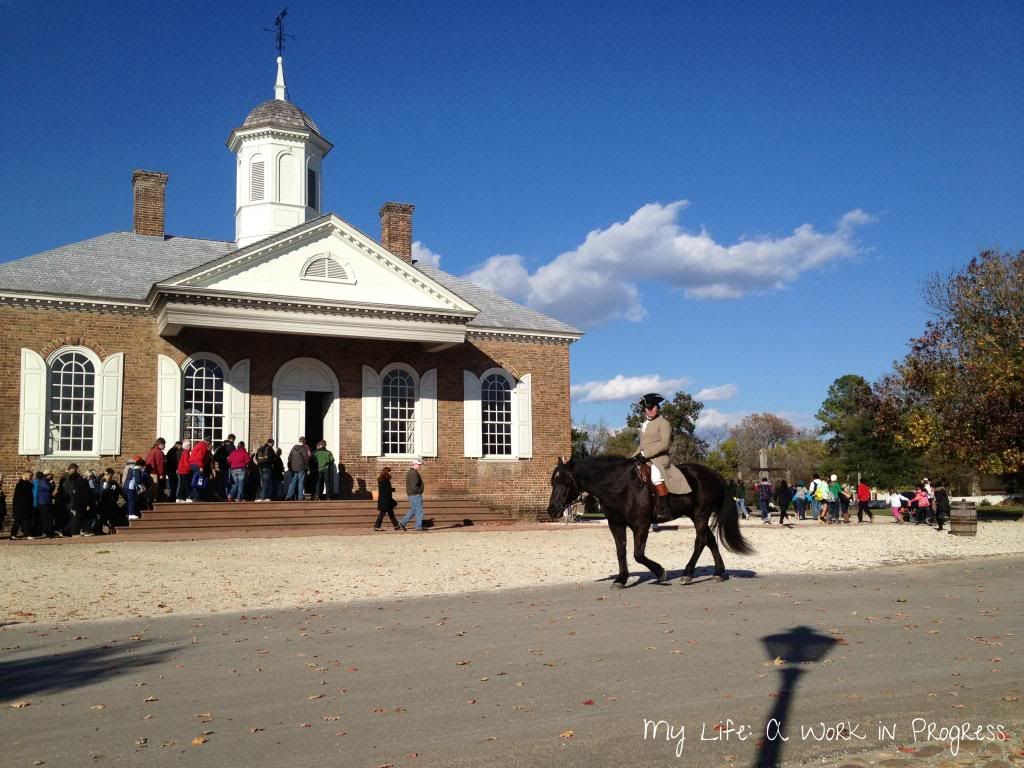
(398, 413)
(498, 414)
(496, 400)
(72, 406)
(203, 400)
(257, 179)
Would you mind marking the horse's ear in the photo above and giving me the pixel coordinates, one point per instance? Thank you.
(560, 460)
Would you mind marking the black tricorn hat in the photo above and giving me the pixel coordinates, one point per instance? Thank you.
(651, 400)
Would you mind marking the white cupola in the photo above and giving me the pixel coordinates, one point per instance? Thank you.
(279, 153)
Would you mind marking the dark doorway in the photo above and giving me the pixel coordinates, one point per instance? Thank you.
(317, 404)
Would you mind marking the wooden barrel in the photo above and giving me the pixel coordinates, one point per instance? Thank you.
(963, 518)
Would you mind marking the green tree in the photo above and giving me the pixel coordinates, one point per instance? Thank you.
(855, 444)
(681, 412)
(724, 457)
(622, 443)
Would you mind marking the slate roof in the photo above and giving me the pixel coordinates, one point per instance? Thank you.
(116, 266)
(279, 114)
(123, 266)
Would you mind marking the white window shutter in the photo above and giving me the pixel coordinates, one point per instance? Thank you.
(523, 395)
(168, 399)
(108, 414)
(473, 416)
(32, 421)
(237, 400)
(371, 412)
(428, 413)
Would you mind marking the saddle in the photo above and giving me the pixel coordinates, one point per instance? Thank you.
(674, 479)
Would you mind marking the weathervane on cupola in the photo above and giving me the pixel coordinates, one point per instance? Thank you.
(279, 34)
(279, 151)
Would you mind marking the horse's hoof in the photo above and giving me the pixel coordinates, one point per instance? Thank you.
(684, 580)
(716, 577)
(661, 577)
(618, 585)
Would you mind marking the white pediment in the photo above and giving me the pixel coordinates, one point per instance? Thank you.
(328, 261)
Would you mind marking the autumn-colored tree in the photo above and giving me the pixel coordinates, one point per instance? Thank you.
(757, 431)
(960, 391)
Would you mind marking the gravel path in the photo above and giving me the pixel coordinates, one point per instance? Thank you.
(106, 578)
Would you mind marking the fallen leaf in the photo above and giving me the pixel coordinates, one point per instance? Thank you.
(779, 661)
(908, 750)
(98, 706)
(463, 662)
(332, 718)
(20, 704)
(150, 699)
(198, 740)
(255, 730)
(566, 734)
(588, 702)
(314, 697)
(471, 701)
(305, 725)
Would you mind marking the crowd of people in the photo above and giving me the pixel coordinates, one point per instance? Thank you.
(829, 502)
(96, 502)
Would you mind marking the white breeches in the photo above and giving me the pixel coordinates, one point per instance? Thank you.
(656, 476)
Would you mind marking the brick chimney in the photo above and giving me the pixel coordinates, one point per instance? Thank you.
(396, 229)
(149, 191)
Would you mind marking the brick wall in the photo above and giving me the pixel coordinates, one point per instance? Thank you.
(521, 486)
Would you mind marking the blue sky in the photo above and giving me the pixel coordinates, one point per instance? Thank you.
(736, 198)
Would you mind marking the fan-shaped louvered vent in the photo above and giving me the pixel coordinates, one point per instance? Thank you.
(325, 268)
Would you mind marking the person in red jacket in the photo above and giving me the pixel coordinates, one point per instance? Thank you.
(157, 468)
(863, 497)
(184, 472)
(238, 463)
(198, 461)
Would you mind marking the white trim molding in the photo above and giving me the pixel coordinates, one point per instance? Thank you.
(174, 316)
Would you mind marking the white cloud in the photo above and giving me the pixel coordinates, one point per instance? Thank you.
(599, 280)
(623, 388)
(712, 418)
(504, 274)
(424, 255)
(724, 392)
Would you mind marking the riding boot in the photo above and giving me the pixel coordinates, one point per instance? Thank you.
(662, 509)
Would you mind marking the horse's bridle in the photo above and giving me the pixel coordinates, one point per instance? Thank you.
(571, 498)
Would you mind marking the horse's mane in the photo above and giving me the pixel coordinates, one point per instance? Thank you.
(596, 465)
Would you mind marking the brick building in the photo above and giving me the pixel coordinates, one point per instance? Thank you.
(303, 325)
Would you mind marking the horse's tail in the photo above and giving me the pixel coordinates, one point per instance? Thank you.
(727, 524)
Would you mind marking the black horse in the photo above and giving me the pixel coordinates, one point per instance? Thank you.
(627, 502)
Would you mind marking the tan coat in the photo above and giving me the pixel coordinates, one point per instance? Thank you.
(657, 439)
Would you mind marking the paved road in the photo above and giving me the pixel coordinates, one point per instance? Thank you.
(561, 676)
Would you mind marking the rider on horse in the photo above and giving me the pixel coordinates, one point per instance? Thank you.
(655, 442)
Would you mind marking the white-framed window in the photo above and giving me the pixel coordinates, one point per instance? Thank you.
(497, 415)
(325, 268)
(71, 415)
(203, 406)
(70, 403)
(203, 397)
(399, 412)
